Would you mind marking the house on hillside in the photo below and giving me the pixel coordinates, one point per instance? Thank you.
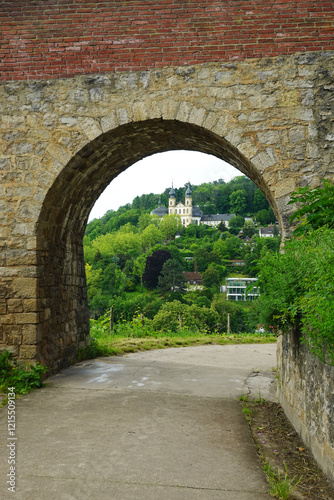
(215, 219)
(269, 232)
(236, 289)
(193, 278)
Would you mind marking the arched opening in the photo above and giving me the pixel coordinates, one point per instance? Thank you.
(61, 288)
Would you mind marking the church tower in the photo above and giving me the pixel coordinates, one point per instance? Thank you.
(172, 201)
(188, 205)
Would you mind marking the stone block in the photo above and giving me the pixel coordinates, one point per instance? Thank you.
(14, 305)
(25, 288)
(28, 352)
(59, 153)
(7, 319)
(23, 318)
(13, 339)
(284, 188)
(31, 305)
(29, 337)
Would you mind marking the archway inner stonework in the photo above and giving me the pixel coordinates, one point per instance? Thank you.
(89, 88)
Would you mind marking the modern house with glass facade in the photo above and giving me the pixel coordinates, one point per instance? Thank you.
(236, 289)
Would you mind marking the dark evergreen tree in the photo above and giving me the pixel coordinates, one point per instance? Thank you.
(154, 264)
(171, 278)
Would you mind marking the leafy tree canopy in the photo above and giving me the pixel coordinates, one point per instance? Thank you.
(238, 202)
(317, 207)
(298, 288)
(170, 225)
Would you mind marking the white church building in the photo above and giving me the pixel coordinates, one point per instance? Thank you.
(189, 213)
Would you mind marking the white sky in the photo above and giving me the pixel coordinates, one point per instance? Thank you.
(155, 173)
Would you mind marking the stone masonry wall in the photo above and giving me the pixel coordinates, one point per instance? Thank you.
(63, 141)
(63, 38)
(307, 397)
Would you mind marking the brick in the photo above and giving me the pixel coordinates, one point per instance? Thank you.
(150, 27)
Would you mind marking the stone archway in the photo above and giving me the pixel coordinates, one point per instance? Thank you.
(64, 140)
(61, 284)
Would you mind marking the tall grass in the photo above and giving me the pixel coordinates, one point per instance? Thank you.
(137, 335)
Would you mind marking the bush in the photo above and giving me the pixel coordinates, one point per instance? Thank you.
(203, 302)
(297, 289)
(23, 378)
(243, 317)
(175, 315)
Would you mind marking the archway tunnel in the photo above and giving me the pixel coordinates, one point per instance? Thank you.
(61, 288)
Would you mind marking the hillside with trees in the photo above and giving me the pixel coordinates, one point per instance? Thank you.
(135, 262)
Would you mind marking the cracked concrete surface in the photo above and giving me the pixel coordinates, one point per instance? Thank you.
(155, 425)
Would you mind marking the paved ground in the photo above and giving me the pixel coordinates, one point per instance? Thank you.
(159, 425)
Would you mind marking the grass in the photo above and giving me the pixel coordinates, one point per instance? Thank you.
(281, 486)
(108, 344)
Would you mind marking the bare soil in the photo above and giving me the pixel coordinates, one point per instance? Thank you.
(277, 442)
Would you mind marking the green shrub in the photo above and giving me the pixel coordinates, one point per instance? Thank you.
(243, 316)
(23, 378)
(297, 289)
(175, 315)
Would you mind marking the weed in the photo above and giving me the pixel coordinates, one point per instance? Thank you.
(280, 486)
(247, 412)
(23, 378)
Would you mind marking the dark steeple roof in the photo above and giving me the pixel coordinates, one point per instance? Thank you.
(160, 211)
(188, 192)
(172, 193)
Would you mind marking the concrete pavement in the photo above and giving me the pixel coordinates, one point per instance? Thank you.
(161, 425)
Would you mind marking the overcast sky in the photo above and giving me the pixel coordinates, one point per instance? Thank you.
(155, 173)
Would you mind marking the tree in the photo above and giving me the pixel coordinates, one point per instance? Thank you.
(260, 201)
(262, 217)
(220, 248)
(317, 208)
(222, 227)
(171, 278)
(192, 317)
(238, 202)
(150, 236)
(139, 268)
(211, 277)
(153, 267)
(234, 247)
(249, 229)
(236, 222)
(147, 219)
(170, 225)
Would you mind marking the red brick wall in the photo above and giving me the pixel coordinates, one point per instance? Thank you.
(63, 38)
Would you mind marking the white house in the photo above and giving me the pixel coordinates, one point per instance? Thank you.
(236, 289)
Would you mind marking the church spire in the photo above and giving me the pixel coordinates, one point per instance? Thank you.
(172, 192)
